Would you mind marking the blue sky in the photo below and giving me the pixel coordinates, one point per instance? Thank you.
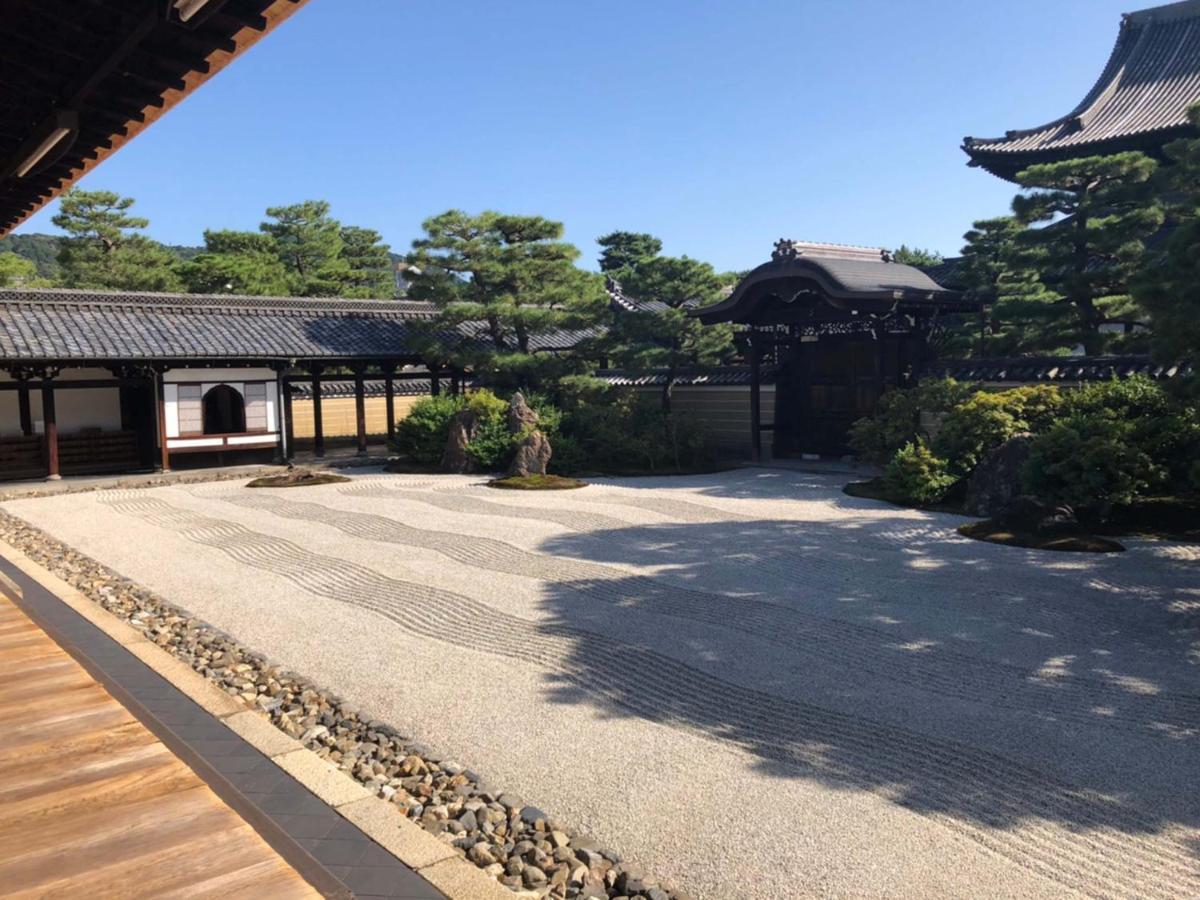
(718, 125)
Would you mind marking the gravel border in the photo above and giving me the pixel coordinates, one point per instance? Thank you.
(516, 843)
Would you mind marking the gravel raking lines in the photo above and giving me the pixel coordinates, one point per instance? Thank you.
(776, 572)
(453, 502)
(855, 648)
(1095, 845)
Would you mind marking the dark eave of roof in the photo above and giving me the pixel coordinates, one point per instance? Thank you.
(845, 276)
(108, 69)
(1139, 102)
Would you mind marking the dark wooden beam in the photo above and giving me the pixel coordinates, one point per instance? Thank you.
(318, 425)
(26, 412)
(50, 431)
(389, 393)
(360, 412)
(289, 431)
(160, 391)
(755, 402)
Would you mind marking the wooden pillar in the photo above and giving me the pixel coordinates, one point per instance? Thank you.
(25, 409)
(289, 431)
(455, 382)
(360, 411)
(160, 390)
(51, 430)
(282, 417)
(755, 403)
(389, 391)
(318, 426)
(435, 380)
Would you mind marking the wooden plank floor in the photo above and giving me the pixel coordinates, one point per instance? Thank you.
(92, 803)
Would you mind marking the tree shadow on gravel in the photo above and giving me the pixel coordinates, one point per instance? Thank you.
(878, 655)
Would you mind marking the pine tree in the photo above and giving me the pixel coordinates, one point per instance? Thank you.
(916, 256)
(1021, 315)
(660, 335)
(621, 251)
(102, 249)
(309, 244)
(237, 262)
(1168, 286)
(1093, 216)
(369, 271)
(515, 275)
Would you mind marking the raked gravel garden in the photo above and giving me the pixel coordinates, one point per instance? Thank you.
(744, 684)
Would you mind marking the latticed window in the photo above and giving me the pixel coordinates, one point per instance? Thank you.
(191, 411)
(256, 407)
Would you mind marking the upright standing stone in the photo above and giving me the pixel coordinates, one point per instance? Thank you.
(533, 449)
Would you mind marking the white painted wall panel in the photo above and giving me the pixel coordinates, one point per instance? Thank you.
(171, 402)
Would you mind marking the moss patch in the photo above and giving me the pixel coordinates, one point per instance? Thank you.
(1080, 542)
(1171, 518)
(297, 478)
(537, 483)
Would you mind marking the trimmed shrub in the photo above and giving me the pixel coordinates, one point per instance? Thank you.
(421, 435)
(974, 427)
(914, 475)
(619, 431)
(897, 417)
(1088, 462)
(1164, 429)
(1039, 405)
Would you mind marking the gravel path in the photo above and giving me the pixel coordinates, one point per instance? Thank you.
(748, 683)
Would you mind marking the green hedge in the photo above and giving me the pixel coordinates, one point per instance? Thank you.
(1094, 447)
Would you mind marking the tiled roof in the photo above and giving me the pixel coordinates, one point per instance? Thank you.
(1050, 369)
(723, 376)
(372, 387)
(84, 325)
(1151, 80)
(843, 273)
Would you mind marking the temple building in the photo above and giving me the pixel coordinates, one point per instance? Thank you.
(839, 325)
(1140, 101)
(93, 382)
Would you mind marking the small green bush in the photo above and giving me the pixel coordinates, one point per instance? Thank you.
(897, 417)
(914, 475)
(619, 431)
(1088, 461)
(421, 435)
(976, 426)
(1039, 405)
(1163, 428)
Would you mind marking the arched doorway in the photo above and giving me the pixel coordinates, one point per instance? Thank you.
(224, 411)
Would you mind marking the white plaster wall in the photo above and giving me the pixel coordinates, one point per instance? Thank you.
(79, 409)
(210, 378)
(217, 376)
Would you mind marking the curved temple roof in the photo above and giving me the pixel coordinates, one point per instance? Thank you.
(859, 275)
(1140, 101)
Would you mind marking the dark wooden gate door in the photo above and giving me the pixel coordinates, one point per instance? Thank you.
(843, 387)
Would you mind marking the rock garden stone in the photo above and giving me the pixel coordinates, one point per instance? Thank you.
(997, 480)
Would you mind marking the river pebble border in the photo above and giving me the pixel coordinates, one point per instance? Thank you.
(517, 843)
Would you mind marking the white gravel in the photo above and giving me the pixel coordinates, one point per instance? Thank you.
(748, 683)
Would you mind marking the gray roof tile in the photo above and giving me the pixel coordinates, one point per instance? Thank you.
(1150, 82)
(68, 325)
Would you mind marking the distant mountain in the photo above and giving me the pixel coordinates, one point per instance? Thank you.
(43, 250)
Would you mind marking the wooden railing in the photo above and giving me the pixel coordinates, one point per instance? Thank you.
(89, 453)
